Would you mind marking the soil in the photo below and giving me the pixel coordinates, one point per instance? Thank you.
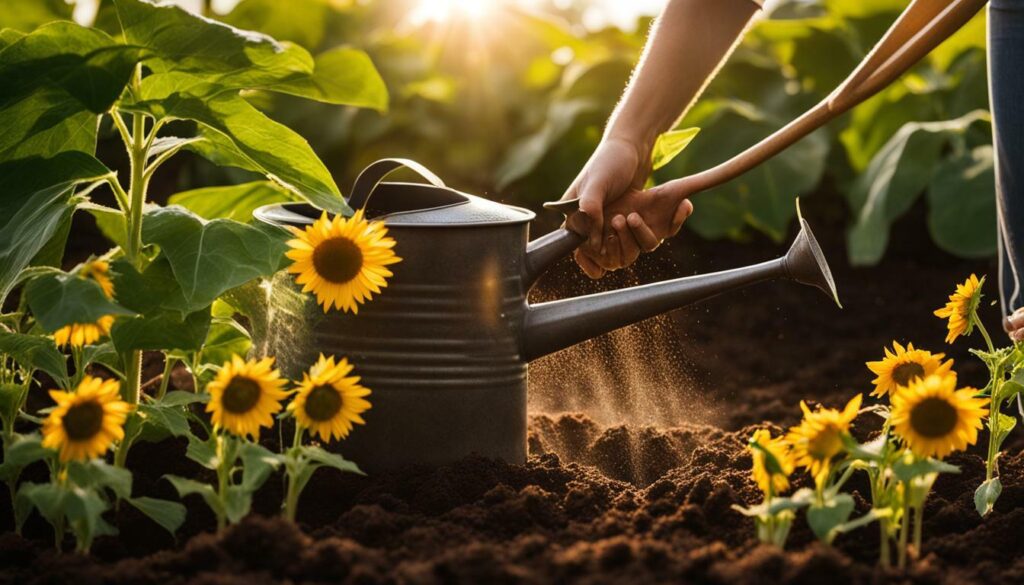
(635, 463)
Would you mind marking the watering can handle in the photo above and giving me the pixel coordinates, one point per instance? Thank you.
(367, 181)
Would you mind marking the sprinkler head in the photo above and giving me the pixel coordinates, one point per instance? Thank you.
(806, 264)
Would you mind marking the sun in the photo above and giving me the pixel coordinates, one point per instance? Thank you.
(447, 10)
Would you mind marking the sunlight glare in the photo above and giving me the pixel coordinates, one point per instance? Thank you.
(445, 10)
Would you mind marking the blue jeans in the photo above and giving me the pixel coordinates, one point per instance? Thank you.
(1006, 91)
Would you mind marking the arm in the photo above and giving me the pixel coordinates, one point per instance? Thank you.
(687, 45)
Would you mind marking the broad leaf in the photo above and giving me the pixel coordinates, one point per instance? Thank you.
(25, 15)
(169, 418)
(824, 519)
(35, 201)
(34, 352)
(100, 474)
(210, 258)
(187, 487)
(25, 449)
(986, 495)
(169, 515)
(961, 210)
(235, 202)
(161, 331)
(237, 503)
(343, 76)
(104, 354)
(182, 398)
(670, 144)
(332, 460)
(203, 452)
(226, 339)
(257, 465)
(299, 21)
(57, 300)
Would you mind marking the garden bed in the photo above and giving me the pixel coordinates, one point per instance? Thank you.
(601, 501)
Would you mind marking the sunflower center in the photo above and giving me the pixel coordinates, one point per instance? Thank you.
(826, 444)
(933, 417)
(240, 395)
(323, 403)
(83, 421)
(904, 374)
(338, 260)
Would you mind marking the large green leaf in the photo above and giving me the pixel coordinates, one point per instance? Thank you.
(209, 258)
(235, 202)
(962, 204)
(35, 196)
(169, 515)
(670, 144)
(34, 352)
(25, 15)
(161, 331)
(299, 21)
(897, 175)
(57, 300)
(343, 76)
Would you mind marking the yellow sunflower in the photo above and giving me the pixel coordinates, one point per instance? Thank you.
(961, 306)
(329, 401)
(772, 478)
(819, 436)
(86, 422)
(900, 368)
(245, 395)
(934, 418)
(342, 261)
(79, 334)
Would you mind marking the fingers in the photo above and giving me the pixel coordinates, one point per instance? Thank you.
(628, 246)
(1014, 325)
(683, 212)
(592, 204)
(579, 223)
(643, 233)
(589, 267)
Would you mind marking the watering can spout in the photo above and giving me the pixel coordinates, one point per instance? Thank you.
(550, 327)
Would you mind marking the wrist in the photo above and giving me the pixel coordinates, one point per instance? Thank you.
(641, 142)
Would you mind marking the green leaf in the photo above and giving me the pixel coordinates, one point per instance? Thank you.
(238, 134)
(961, 219)
(35, 352)
(226, 339)
(329, 459)
(97, 473)
(25, 15)
(916, 468)
(986, 495)
(103, 353)
(1005, 424)
(57, 300)
(670, 144)
(35, 201)
(23, 451)
(257, 465)
(237, 503)
(896, 176)
(210, 258)
(169, 418)
(299, 21)
(343, 76)
(236, 202)
(182, 398)
(824, 519)
(525, 155)
(169, 515)
(111, 223)
(187, 487)
(203, 452)
(48, 498)
(161, 331)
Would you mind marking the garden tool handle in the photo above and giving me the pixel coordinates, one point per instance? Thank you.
(367, 181)
(922, 26)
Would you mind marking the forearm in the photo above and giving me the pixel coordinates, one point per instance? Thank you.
(687, 45)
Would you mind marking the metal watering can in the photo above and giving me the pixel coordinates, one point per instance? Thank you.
(445, 348)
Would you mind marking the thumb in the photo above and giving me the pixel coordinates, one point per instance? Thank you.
(592, 204)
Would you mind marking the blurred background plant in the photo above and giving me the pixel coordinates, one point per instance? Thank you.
(508, 99)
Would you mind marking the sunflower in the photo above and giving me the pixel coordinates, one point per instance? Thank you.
(329, 401)
(819, 436)
(79, 334)
(961, 308)
(245, 395)
(87, 421)
(900, 368)
(342, 261)
(934, 418)
(771, 477)
(99, 271)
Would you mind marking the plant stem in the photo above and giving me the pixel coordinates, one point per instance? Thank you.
(883, 539)
(984, 333)
(918, 522)
(901, 561)
(165, 379)
(223, 473)
(291, 500)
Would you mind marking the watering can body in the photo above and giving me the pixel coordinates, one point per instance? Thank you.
(445, 347)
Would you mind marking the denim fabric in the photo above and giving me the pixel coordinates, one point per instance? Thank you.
(1006, 91)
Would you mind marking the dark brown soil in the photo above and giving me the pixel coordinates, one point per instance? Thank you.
(637, 455)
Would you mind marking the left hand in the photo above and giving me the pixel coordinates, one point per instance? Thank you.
(1014, 325)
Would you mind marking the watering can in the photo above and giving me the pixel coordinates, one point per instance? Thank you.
(445, 347)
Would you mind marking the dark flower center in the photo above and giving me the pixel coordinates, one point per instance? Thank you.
(904, 374)
(337, 260)
(323, 403)
(240, 395)
(933, 417)
(83, 421)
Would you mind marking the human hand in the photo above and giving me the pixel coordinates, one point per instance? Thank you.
(638, 221)
(1014, 325)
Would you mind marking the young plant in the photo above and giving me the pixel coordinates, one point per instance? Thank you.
(327, 402)
(1006, 380)
(243, 398)
(772, 466)
(77, 432)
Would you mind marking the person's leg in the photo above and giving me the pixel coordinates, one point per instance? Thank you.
(1006, 91)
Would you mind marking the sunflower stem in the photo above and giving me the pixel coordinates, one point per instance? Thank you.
(165, 379)
(984, 333)
(918, 523)
(293, 470)
(904, 528)
(223, 473)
